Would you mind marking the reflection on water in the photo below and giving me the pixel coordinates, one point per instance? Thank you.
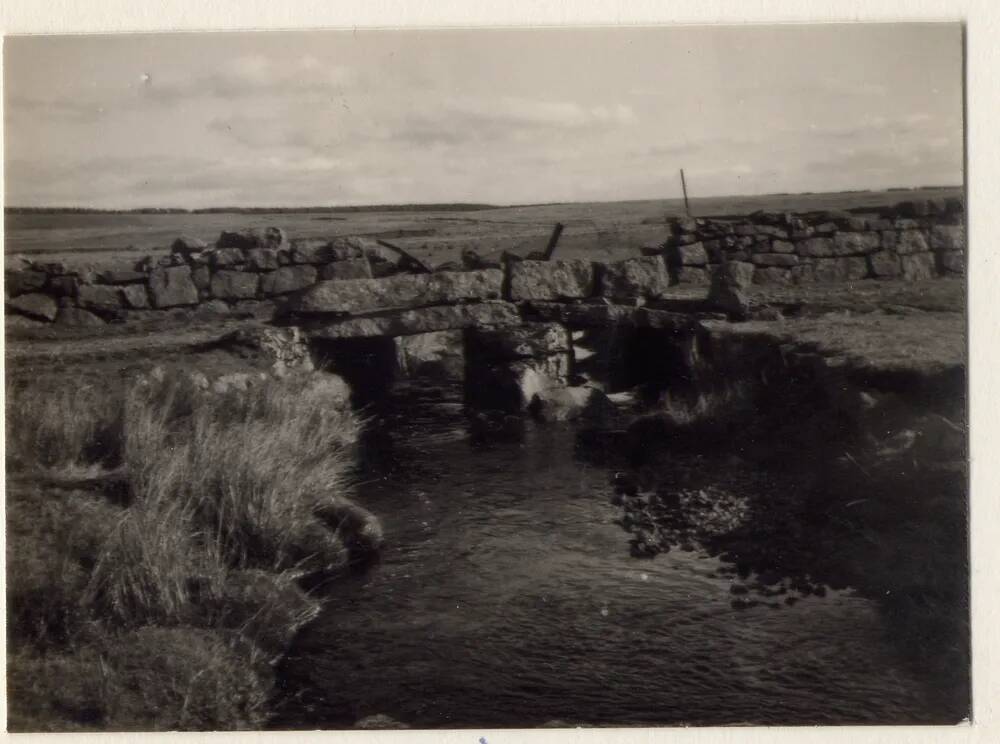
(508, 596)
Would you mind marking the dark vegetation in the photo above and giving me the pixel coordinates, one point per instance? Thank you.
(158, 540)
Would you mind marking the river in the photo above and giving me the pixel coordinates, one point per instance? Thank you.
(507, 597)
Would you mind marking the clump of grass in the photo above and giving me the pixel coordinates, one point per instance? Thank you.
(74, 424)
(251, 467)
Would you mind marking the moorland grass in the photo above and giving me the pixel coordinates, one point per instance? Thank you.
(168, 612)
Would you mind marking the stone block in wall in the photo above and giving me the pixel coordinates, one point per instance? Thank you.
(287, 279)
(234, 285)
(917, 266)
(311, 251)
(744, 229)
(352, 268)
(842, 269)
(172, 287)
(825, 229)
(737, 273)
(772, 275)
(953, 262)
(22, 282)
(785, 260)
(262, 259)
(948, 237)
(884, 264)
(201, 276)
(34, 305)
(905, 223)
(850, 223)
(359, 296)
(635, 278)
(266, 237)
(63, 286)
(856, 243)
(692, 275)
(802, 234)
(911, 241)
(878, 224)
(186, 245)
(135, 296)
(782, 246)
(420, 320)
(122, 276)
(229, 256)
(693, 254)
(553, 280)
(99, 297)
(77, 316)
(685, 224)
(772, 232)
(889, 239)
(816, 247)
(517, 342)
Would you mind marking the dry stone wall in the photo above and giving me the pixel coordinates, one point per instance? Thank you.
(356, 287)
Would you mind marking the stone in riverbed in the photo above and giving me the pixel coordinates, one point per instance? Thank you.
(550, 280)
(34, 305)
(419, 320)
(528, 340)
(636, 278)
(512, 386)
(360, 296)
(172, 287)
(287, 279)
(234, 285)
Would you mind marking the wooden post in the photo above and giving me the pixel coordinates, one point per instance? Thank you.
(409, 257)
(553, 239)
(687, 207)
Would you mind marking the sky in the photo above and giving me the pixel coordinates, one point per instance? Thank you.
(503, 116)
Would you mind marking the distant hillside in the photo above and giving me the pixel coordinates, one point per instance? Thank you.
(258, 210)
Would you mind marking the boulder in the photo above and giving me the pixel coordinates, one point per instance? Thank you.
(636, 278)
(772, 275)
(34, 305)
(234, 285)
(953, 262)
(856, 243)
(692, 275)
(186, 245)
(267, 237)
(438, 355)
(172, 287)
(287, 279)
(122, 276)
(99, 297)
(21, 282)
(359, 296)
(528, 340)
(917, 266)
(420, 320)
(75, 316)
(948, 237)
(351, 268)
(884, 264)
(551, 280)
(262, 259)
(831, 270)
(785, 260)
(559, 403)
(910, 242)
(693, 254)
(228, 256)
(816, 247)
(135, 296)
